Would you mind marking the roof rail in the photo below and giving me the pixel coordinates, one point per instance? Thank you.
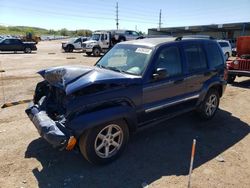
(195, 37)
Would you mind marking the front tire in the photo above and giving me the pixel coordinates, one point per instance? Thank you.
(226, 56)
(96, 52)
(69, 48)
(27, 50)
(210, 104)
(104, 143)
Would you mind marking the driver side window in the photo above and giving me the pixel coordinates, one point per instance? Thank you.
(169, 58)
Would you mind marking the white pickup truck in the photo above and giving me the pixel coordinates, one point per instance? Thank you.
(74, 44)
(102, 41)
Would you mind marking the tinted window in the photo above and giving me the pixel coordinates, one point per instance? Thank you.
(128, 32)
(104, 37)
(135, 33)
(223, 44)
(7, 41)
(195, 57)
(77, 40)
(16, 41)
(214, 55)
(169, 58)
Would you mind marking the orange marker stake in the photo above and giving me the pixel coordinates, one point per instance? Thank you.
(191, 162)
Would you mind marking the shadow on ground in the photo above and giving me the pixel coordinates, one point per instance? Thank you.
(157, 151)
(18, 52)
(243, 84)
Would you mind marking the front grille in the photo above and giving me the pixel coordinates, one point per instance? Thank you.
(83, 45)
(244, 65)
(56, 101)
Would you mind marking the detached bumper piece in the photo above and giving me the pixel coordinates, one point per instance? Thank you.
(52, 131)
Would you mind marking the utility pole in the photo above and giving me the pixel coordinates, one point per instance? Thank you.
(117, 20)
(160, 23)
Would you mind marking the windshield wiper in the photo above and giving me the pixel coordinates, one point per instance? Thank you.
(114, 69)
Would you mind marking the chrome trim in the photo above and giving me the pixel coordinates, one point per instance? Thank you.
(171, 103)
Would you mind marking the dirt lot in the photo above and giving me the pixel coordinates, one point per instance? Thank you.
(158, 156)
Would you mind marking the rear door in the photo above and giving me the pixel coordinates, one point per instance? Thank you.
(17, 45)
(159, 96)
(197, 66)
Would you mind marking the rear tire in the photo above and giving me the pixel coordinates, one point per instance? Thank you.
(209, 105)
(104, 143)
(230, 79)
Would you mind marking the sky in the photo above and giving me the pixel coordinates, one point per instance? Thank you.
(136, 15)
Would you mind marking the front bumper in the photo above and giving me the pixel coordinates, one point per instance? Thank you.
(52, 131)
(239, 73)
(88, 50)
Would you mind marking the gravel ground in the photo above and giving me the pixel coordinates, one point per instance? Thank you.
(157, 156)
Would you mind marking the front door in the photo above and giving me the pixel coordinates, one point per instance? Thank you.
(78, 43)
(104, 42)
(160, 95)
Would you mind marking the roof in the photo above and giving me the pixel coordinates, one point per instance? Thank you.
(211, 27)
(150, 42)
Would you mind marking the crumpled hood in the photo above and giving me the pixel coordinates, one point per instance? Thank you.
(74, 78)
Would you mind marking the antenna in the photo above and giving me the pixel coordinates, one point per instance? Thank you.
(160, 23)
(117, 20)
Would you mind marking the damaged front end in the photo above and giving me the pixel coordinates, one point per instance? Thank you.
(47, 111)
(67, 93)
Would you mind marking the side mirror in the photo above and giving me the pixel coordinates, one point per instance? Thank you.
(160, 73)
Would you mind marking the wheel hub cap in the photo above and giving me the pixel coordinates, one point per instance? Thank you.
(211, 105)
(108, 141)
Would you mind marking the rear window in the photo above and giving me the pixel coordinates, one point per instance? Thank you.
(223, 44)
(195, 57)
(214, 55)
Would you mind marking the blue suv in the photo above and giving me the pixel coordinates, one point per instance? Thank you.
(135, 84)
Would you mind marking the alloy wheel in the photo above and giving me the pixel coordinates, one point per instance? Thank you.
(108, 141)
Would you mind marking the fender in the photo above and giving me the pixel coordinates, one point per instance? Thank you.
(214, 82)
(90, 120)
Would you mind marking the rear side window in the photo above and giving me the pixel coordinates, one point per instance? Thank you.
(169, 58)
(195, 57)
(223, 44)
(214, 55)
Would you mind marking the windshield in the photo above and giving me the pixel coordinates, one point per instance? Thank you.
(72, 40)
(95, 37)
(127, 58)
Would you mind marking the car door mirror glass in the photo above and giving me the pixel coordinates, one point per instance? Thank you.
(160, 73)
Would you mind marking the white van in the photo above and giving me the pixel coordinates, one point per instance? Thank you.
(226, 48)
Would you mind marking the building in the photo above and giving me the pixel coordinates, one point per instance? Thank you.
(220, 31)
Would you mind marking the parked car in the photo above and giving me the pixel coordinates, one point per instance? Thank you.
(125, 35)
(226, 48)
(136, 83)
(14, 44)
(241, 65)
(74, 44)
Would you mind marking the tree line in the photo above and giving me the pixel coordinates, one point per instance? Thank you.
(23, 30)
